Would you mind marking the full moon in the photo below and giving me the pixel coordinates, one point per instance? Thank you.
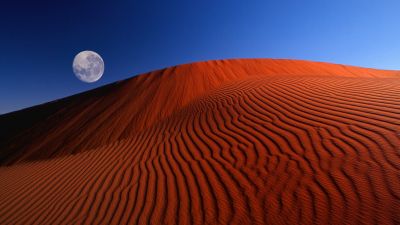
(88, 66)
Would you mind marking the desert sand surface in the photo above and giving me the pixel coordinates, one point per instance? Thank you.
(241, 141)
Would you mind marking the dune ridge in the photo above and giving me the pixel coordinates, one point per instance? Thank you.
(253, 141)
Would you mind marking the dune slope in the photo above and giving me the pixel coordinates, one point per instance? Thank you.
(254, 141)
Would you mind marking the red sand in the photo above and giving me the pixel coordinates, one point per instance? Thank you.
(220, 142)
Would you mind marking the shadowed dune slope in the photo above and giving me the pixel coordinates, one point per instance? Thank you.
(252, 141)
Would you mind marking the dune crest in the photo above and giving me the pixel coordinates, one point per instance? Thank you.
(249, 141)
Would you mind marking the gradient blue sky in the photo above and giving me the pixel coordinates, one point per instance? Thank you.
(39, 39)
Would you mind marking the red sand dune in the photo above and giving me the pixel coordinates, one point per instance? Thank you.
(254, 141)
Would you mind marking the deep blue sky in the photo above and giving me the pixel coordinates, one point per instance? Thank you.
(38, 39)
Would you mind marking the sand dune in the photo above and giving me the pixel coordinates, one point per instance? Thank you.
(254, 141)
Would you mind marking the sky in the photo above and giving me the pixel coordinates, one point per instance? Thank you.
(39, 39)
